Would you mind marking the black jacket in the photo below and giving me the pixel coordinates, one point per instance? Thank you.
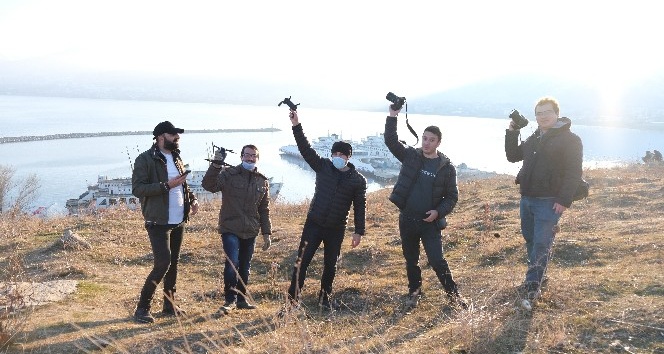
(146, 183)
(335, 190)
(552, 163)
(445, 192)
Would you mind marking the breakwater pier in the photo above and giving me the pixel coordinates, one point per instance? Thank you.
(27, 138)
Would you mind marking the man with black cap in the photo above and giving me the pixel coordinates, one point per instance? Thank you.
(338, 185)
(167, 202)
(425, 192)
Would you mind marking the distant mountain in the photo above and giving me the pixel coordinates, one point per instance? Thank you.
(36, 79)
(640, 105)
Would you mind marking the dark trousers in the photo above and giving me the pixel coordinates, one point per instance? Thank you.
(165, 241)
(239, 252)
(412, 231)
(312, 236)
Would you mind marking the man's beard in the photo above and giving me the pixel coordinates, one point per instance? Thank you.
(171, 145)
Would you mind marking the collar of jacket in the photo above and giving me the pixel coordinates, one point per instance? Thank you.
(562, 124)
(444, 160)
(157, 154)
(241, 170)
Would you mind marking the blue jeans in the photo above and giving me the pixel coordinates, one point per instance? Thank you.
(538, 221)
(166, 241)
(412, 231)
(312, 236)
(236, 268)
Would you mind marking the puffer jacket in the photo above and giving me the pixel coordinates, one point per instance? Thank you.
(335, 190)
(445, 192)
(146, 184)
(245, 205)
(552, 162)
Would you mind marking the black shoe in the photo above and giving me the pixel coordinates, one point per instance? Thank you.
(244, 305)
(173, 310)
(142, 315)
(457, 300)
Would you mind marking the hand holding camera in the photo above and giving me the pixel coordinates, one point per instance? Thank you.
(518, 120)
(219, 156)
(397, 102)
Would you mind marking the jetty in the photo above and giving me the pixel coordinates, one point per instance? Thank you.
(27, 138)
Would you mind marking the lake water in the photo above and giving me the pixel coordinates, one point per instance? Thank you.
(66, 167)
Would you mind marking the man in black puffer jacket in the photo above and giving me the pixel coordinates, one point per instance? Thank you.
(551, 173)
(338, 185)
(425, 193)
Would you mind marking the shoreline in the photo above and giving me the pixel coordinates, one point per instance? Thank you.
(28, 138)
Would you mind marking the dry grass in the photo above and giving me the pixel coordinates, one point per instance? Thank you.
(605, 292)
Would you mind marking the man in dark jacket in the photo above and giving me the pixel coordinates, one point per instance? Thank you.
(159, 181)
(425, 192)
(245, 210)
(338, 185)
(551, 173)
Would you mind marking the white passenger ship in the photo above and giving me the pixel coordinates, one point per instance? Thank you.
(370, 156)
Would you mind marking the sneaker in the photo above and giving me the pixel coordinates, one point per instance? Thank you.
(226, 308)
(244, 305)
(414, 298)
(143, 315)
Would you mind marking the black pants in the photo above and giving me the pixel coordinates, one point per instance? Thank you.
(413, 231)
(312, 236)
(165, 241)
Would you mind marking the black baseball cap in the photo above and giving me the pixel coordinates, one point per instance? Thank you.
(166, 127)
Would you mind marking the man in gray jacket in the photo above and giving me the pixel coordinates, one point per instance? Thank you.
(245, 210)
(159, 181)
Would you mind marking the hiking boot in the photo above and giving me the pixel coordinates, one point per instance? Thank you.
(143, 315)
(457, 300)
(244, 305)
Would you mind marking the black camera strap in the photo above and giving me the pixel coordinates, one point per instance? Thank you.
(412, 131)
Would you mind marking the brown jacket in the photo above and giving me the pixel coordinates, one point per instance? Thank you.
(245, 205)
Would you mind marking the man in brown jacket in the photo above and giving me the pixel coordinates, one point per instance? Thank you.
(245, 210)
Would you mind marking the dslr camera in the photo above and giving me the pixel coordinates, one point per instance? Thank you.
(519, 120)
(397, 102)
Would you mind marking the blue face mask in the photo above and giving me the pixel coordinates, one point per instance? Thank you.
(248, 165)
(338, 162)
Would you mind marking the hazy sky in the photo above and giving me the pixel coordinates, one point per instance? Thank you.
(409, 46)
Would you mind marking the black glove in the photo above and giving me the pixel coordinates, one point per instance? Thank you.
(219, 157)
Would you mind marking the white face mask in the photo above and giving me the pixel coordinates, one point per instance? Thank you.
(338, 162)
(249, 165)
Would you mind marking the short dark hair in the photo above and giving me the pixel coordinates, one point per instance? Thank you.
(434, 130)
(251, 146)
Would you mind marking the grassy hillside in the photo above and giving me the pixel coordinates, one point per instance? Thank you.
(605, 294)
